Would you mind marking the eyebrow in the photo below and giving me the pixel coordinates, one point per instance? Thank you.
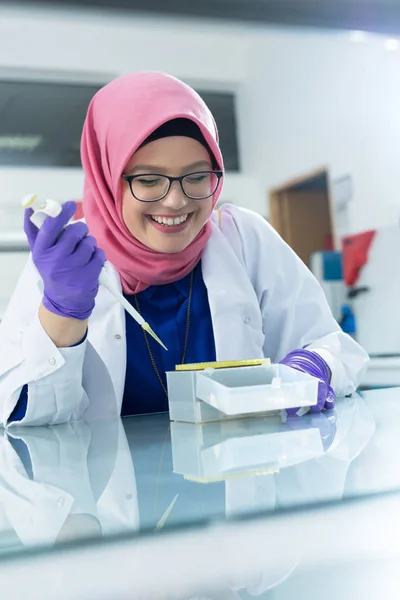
(152, 169)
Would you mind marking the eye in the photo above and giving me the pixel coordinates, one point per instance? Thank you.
(148, 180)
(197, 177)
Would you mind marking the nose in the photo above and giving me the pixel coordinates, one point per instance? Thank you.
(175, 199)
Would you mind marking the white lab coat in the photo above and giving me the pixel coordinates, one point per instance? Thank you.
(263, 302)
(66, 482)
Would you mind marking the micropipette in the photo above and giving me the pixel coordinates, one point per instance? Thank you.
(51, 208)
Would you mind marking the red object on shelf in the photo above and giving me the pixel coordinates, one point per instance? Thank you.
(355, 255)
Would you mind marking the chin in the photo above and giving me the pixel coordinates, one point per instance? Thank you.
(170, 247)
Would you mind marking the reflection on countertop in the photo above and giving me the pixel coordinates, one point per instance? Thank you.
(99, 478)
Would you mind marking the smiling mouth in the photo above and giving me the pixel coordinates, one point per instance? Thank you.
(169, 221)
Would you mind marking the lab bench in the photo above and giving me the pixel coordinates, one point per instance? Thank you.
(141, 507)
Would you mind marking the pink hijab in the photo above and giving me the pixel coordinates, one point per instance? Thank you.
(120, 117)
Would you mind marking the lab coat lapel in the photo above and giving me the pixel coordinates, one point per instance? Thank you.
(235, 312)
(107, 333)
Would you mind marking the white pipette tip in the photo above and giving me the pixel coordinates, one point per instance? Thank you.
(165, 516)
(146, 327)
(105, 281)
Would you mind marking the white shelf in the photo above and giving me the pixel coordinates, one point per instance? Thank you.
(382, 372)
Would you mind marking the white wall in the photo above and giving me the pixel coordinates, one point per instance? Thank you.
(322, 100)
(306, 99)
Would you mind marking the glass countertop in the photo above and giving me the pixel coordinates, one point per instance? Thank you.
(145, 475)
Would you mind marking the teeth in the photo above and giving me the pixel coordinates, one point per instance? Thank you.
(169, 221)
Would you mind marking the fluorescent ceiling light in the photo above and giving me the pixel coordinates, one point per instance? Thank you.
(24, 143)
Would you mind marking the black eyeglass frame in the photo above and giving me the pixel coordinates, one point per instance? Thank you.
(130, 178)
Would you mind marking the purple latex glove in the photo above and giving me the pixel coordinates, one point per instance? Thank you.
(69, 262)
(313, 364)
(325, 422)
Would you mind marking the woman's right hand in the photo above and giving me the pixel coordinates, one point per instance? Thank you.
(69, 262)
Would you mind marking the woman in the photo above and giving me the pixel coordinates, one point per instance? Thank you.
(213, 285)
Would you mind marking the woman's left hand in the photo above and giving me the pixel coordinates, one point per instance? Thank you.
(311, 363)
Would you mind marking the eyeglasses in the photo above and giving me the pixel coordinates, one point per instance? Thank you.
(154, 187)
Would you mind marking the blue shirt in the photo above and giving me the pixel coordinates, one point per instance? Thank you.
(165, 309)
